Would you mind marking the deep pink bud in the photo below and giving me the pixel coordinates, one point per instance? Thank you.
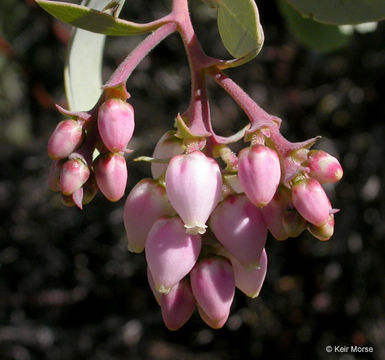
(212, 283)
(324, 167)
(111, 175)
(67, 136)
(240, 227)
(194, 185)
(74, 173)
(250, 282)
(170, 252)
(54, 175)
(178, 305)
(311, 201)
(323, 232)
(167, 147)
(259, 173)
(116, 124)
(146, 202)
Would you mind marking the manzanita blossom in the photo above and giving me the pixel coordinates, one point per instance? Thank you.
(324, 167)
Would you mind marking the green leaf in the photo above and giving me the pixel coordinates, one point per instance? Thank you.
(92, 19)
(340, 12)
(82, 71)
(320, 37)
(239, 26)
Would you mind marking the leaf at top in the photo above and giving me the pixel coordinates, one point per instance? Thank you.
(92, 19)
(82, 71)
(239, 26)
(340, 12)
(320, 37)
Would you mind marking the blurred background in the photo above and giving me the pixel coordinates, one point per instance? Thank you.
(68, 287)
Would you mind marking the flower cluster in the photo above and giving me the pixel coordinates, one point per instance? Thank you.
(204, 228)
(88, 153)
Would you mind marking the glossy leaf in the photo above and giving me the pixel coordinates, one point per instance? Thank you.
(239, 27)
(320, 37)
(342, 11)
(91, 18)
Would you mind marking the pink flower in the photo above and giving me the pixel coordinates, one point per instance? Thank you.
(324, 167)
(178, 305)
(67, 136)
(259, 173)
(167, 147)
(212, 283)
(111, 175)
(116, 124)
(311, 201)
(240, 227)
(194, 185)
(74, 173)
(146, 202)
(170, 252)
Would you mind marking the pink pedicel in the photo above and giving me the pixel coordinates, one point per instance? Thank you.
(178, 305)
(111, 175)
(311, 201)
(213, 285)
(116, 124)
(259, 173)
(324, 232)
(74, 173)
(67, 136)
(194, 187)
(146, 202)
(167, 147)
(240, 227)
(324, 167)
(170, 252)
(250, 282)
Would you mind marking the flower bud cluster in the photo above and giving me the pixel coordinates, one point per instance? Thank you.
(88, 153)
(204, 229)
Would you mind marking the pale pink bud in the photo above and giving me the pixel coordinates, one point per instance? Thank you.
(111, 175)
(67, 136)
(170, 252)
(74, 173)
(167, 147)
(194, 186)
(323, 232)
(324, 167)
(311, 201)
(157, 294)
(240, 227)
(54, 175)
(178, 305)
(212, 283)
(259, 173)
(250, 282)
(116, 124)
(146, 202)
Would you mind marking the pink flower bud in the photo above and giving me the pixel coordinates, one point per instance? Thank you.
(116, 124)
(157, 295)
(54, 175)
(194, 185)
(259, 173)
(74, 173)
(323, 232)
(170, 252)
(146, 202)
(111, 175)
(250, 282)
(167, 147)
(311, 201)
(240, 227)
(324, 167)
(212, 283)
(178, 305)
(215, 324)
(67, 136)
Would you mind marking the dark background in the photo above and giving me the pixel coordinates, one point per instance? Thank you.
(68, 287)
